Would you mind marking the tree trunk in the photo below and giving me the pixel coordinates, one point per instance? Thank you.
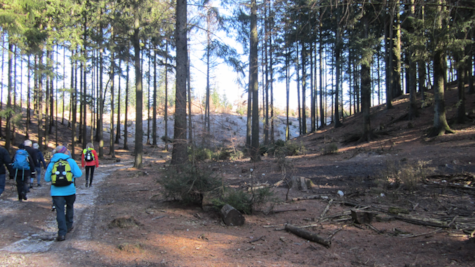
(39, 100)
(287, 92)
(148, 98)
(51, 94)
(266, 74)
(271, 65)
(338, 67)
(111, 125)
(396, 51)
(179, 153)
(440, 126)
(249, 118)
(126, 131)
(461, 90)
(190, 118)
(117, 136)
(166, 98)
(1, 87)
(253, 82)
(64, 85)
(74, 110)
(8, 140)
(389, 58)
(49, 65)
(366, 89)
(298, 90)
(411, 72)
(139, 97)
(154, 113)
(304, 88)
(322, 117)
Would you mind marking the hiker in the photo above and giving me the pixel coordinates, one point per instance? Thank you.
(40, 159)
(5, 160)
(32, 153)
(23, 168)
(61, 172)
(89, 159)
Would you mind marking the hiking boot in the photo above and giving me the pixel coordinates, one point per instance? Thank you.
(23, 196)
(60, 238)
(39, 185)
(71, 229)
(31, 185)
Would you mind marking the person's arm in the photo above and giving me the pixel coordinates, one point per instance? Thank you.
(32, 167)
(42, 160)
(75, 168)
(48, 171)
(7, 162)
(83, 162)
(96, 158)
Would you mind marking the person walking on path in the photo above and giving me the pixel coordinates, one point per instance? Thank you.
(40, 159)
(32, 154)
(61, 172)
(90, 160)
(5, 161)
(23, 168)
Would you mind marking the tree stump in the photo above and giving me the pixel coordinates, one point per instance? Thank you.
(299, 183)
(231, 216)
(362, 216)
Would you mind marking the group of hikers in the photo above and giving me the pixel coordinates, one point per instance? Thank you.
(61, 171)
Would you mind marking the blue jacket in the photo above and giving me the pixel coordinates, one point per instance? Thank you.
(62, 190)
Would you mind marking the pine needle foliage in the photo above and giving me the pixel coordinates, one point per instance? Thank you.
(188, 183)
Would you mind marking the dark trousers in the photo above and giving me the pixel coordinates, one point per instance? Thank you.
(21, 184)
(64, 217)
(89, 169)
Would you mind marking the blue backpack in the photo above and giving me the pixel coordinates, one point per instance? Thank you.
(21, 161)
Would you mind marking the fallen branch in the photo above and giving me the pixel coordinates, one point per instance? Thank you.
(453, 220)
(330, 237)
(307, 235)
(326, 209)
(296, 209)
(159, 217)
(373, 228)
(424, 234)
(422, 222)
(309, 197)
(258, 239)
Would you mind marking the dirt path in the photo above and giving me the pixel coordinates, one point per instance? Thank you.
(32, 234)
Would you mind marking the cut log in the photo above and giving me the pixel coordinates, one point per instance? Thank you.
(307, 235)
(362, 216)
(231, 216)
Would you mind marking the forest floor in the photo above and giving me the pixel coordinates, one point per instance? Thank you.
(427, 224)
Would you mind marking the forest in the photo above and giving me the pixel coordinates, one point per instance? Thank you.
(339, 57)
(351, 143)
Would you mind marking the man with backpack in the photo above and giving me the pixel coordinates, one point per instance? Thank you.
(32, 152)
(5, 160)
(23, 168)
(61, 172)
